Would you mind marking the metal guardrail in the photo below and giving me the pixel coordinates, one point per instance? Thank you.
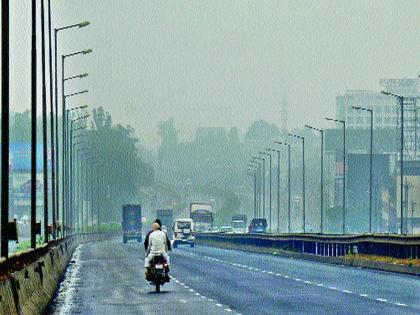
(398, 246)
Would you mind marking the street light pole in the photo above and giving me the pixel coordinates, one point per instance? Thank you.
(33, 126)
(53, 168)
(44, 124)
(63, 98)
(5, 113)
(259, 168)
(370, 111)
(56, 31)
(266, 153)
(278, 187)
(263, 184)
(288, 184)
(322, 174)
(344, 169)
(303, 178)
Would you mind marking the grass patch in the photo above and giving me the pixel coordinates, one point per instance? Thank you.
(25, 245)
(384, 259)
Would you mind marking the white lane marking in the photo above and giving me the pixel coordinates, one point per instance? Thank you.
(381, 300)
(401, 304)
(191, 290)
(183, 301)
(218, 304)
(228, 310)
(306, 282)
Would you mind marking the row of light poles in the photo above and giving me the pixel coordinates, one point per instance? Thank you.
(54, 130)
(254, 168)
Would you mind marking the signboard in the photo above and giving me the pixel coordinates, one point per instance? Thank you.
(20, 157)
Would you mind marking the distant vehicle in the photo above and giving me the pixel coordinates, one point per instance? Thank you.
(166, 217)
(202, 215)
(131, 222)
(239, 222)
(215, 229)
(183, 232)
(226, 229)
(258, 226)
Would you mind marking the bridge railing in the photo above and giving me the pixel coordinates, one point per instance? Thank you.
(397, 246)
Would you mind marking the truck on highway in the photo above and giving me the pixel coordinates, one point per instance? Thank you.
(166, 217)
(183, 232)
(131, 223)
(202, 215)
(239, 222)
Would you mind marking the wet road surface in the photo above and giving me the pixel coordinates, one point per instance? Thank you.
(107, 278)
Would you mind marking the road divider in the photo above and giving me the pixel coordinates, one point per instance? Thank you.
(335, 249)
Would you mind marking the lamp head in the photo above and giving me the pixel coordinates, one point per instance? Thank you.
(84, 24)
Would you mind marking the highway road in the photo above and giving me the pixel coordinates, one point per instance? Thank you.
(107, 278)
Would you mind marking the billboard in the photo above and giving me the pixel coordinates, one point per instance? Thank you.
(20, 157)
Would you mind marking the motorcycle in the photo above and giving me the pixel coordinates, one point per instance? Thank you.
(159, 270)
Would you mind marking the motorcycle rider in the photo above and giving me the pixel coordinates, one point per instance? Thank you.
(157, 245)
(146, 240)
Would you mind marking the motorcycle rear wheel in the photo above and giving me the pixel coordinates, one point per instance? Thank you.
(158, 287)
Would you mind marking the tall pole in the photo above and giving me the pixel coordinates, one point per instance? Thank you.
(343, 122)
(303, 181)
(303, 185)
(57, 144)
(53, 168)
(370, 171)
(289, 188)
(33, 126)
(44, 123)
(255, 194)
(65, 147)
(401, 101)
(321, 132)
(5, 100)
(265, 153)
(344, 176)
(278, 191)
(322, 181)
(263, 187)
(370, 111)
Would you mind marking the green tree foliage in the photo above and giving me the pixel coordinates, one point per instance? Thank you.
(122, 170)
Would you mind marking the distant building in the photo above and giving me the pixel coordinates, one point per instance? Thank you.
(385, 109)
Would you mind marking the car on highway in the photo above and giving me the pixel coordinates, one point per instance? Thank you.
(226, 229)
(258, 226)
(183, 232)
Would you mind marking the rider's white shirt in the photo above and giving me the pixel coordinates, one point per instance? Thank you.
(157, 242)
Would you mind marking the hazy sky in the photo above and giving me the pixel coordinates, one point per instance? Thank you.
(223, 63)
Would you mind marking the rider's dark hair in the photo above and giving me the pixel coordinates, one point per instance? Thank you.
(158, 222)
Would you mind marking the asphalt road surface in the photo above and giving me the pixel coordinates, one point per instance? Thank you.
(107, 278)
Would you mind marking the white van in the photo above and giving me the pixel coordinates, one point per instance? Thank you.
(183, 232)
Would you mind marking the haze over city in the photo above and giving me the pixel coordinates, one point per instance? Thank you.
(218, 63)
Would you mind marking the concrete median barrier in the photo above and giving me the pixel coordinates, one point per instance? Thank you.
(29, 289)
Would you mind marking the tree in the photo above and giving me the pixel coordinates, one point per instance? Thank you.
(122, 171)
(262, 130)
